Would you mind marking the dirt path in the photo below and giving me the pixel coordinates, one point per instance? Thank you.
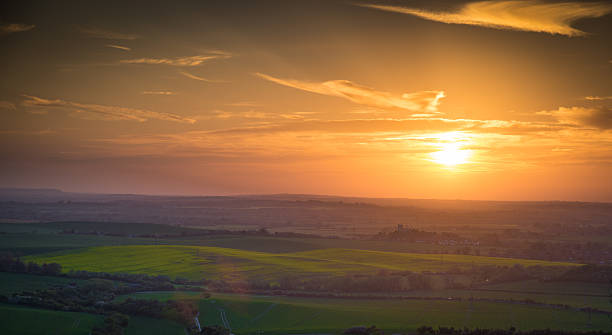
(224, 319)
(197, 322)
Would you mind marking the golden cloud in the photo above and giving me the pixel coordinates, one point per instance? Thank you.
(15, 28)
(529, 15)
(596, 117)
(120, 47)
(418, 101)
(107, 113)
(106, 34)
(180, 61)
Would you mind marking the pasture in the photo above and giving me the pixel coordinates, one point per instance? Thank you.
(36, 243)
(232, 264)
(16, 282)
(253, 314)
(140, 325)
(34, 321)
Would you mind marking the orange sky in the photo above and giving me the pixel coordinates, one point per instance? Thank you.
(504, 100)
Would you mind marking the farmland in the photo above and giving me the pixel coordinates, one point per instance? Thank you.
(278, 284)
(249, 314)
(150, 326)
(23, 320)
(13, 319)
(15, 282)
(196, 262)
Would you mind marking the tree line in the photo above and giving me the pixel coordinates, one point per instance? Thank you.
(428, 330)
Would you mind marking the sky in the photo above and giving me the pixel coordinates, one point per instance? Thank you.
(491, 100)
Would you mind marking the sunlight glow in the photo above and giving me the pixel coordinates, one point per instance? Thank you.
(451, 152)
(451, 155)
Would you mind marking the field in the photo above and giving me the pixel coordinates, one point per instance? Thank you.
(196, 262)
(251, 314)
(16, 282)
(238, 258)
(148, 326)
(35, 243)
(26, 321)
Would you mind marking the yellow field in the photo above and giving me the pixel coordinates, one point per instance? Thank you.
(196, 262)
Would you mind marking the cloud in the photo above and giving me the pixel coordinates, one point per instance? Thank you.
(7, 105)
(180, 61)
(102, 112)
(598, 98)
(194, 77)
(598, 117)
(120, 47)
(15, 28)
(158, 92)
(496, 144)
(418, 101)
(252, 114)
(529, 15)
(106, 34)
(28, 132)
(244, 104)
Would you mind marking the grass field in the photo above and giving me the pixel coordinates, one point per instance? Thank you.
(16, 282)
(139, 325)
(47, 237)
(30, 238)
(233, 264)
(28, 243)
(33, 321)
(104, 227)
(251, 314)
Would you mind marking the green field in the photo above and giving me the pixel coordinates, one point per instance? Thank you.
(29, 238)
(233, 264)
(251, 314)
(34, 321)
(15, 282)
(36, 243)
(104, 227)
(236, 258)
(139, 325)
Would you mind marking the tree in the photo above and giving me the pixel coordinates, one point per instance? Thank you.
(52, 269)
(33, 268)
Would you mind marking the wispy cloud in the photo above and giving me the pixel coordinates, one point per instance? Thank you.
(244, 104)
(106, 34)
(7, 105)
(598, 117)
(158, 92)
(598, 98)
(28, 132)
(198, 78)
(179, 61)
(254, 115)
(15, 28)
(102, 112)
(418, 101)
(527, 15)
(120, 47)
(495, 144)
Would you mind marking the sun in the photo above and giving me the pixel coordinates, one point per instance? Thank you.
(451, 155)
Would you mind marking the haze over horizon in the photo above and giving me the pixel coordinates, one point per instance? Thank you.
(482, 100)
